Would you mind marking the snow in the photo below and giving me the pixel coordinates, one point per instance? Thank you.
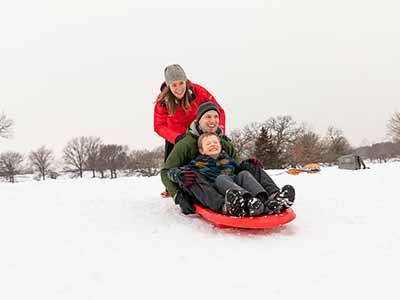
(117, 239)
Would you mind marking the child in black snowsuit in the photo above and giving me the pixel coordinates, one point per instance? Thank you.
(244, 195)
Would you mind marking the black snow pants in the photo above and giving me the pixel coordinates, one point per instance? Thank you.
(243, 182)
(261, 176)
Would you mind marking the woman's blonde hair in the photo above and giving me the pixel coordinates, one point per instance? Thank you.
(172, 102)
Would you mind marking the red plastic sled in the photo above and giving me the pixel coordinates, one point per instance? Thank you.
(260, 222)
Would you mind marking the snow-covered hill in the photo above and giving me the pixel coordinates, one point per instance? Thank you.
(117, 239)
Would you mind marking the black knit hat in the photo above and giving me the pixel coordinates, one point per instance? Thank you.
(205, 107)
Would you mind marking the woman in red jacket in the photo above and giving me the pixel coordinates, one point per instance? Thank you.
(176, 106)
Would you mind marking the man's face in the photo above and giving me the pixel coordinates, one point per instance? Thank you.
(210, 146)
(209, 121)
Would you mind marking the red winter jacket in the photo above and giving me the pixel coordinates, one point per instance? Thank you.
(171, 126)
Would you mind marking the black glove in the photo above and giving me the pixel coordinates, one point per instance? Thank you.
(185, 202)
(179, 137)
(254, 161)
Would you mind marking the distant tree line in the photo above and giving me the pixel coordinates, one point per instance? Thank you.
(278, 142)
(381, 152)
(91, 154)
(83, 154)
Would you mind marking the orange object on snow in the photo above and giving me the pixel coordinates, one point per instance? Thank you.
(312, 166)
(308, 168)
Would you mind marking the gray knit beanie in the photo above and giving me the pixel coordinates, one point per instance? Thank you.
(174, 72)
(205, 107)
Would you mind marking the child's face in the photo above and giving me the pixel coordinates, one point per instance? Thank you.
(211, 146)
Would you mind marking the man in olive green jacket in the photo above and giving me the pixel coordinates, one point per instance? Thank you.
(185, 151)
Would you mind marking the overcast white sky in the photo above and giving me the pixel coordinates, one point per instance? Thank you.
(86, 67)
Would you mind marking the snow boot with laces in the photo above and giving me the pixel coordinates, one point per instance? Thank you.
(235, 203)
(255, 207)
(280, 201)
(287, 196)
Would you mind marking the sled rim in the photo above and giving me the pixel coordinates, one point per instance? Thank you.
(259, 222)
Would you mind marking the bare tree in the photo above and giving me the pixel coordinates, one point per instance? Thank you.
(336, 145)
(102, 161)
(307, 148)
(244, 139)
(41, 160)
(394, 127)
(112, 158)
(146, 162)
(11, 165)
(75, 154)
(93, 153)
(6, 126)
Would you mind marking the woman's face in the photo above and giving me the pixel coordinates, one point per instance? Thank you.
(178, 88)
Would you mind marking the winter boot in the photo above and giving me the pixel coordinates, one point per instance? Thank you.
(255, 207)
(273, 206)
(235, 204)
(287, 196)
(279, 202)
